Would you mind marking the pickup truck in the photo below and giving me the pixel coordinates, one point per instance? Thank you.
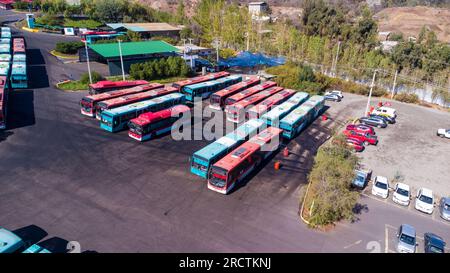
(361, 178)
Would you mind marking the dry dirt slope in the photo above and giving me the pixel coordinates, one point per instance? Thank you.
(409, 21)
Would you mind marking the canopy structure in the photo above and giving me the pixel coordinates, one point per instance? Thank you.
(248, 59)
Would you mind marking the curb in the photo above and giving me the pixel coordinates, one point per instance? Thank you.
(52, 52)
(30, 29)
(303, 204)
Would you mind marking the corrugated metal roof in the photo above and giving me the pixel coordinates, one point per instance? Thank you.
(111, 50)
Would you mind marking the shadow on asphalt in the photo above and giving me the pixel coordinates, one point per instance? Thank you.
(34, 57)
(5, 134)
(55, 245)
(30, 234)
(20, 109)
(358, 210)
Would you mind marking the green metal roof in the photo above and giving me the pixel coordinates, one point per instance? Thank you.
(111, 50)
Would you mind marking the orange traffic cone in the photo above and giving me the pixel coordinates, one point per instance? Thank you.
(285, 152)
(277, 165)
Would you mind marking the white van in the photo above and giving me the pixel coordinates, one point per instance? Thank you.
(385, 111)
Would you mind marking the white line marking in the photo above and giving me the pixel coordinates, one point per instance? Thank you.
(386, 240)
(353, 244)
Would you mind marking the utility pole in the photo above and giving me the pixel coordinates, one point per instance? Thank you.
(334, 66)
(190, 52)
(393, 85)
(121, 59)
(88, 64)
(370, 93)
(217, 44)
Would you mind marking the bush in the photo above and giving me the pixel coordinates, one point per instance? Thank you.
(20, 5)
(158, 69)
(405, 97)
(50, 20)
(96, 77)
(68, 47)
(226, 53)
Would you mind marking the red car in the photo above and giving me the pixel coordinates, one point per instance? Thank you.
(363, 137)
(355, 144)
(361, 128)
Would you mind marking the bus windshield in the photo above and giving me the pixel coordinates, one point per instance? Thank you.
(137, 129)
(218, 177)
(215, 99)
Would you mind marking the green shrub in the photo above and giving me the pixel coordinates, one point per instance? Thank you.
(158, 69)
(405, 97)
(96, 77)
(226, 53)
(68, 47)
(20, 5)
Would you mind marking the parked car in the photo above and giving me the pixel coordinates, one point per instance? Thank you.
(335, 92)
(443, 133)
(361, 178)
(433, 243)
(406, 239)
(373, 122)
(332, 97)
(424, 200)
(385, 111)
(444, 208)
(380, 187)
(402, 194)
(360, 128)
(364, 138)
(357, 145)
(385, 118)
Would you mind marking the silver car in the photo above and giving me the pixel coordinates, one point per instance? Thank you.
(444, 208)
(406, 239)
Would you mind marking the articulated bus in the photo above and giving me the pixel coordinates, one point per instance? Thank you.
(4, 57)
(300, 117)
(235, 166)
(179, 85)
(150, 125)
(3, 94)
(19, 77)
(104, 86)
(117, 119)
(236, 112)
(129, 99)
(261, 108)
(203, 159)
(89, 103)
(217, 100)
(248, 92)
(273, 117)
(205, 89)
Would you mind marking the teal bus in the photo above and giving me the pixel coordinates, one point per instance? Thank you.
(205, 89)
(300, 117)
(116, 119)
(273, 117)
(204, 158)
(5, 49)
(6, 35)
(5, 57)
(5, 41)
(18, 78)
(19, 58)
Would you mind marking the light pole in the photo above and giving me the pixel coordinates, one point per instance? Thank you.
(121, 59)
(87, 59)
(370, 93)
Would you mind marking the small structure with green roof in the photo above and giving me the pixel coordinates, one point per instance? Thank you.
(132, 52)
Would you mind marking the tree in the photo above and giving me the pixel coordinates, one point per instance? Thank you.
(180, 16)
(109, 10)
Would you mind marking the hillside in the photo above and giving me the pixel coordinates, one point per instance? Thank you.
(409, 21)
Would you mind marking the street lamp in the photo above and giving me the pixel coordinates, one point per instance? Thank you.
(121, 59)
(87, 59)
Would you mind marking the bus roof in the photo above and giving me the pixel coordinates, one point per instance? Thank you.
(5, 29)
(237, 86)
(252, 90)
(142, 104)
(19, 57)
(302, 110)
(5, 41)
(213, 82)
(19, 69)
(5, 48)
(286, 106)
(8, 240)
(4, 69)
(230, 139)
(258, 96)
(150, 117)
(272, 100)
(108, 84)
(198, 79)
(4, 57)
(137, 96)
(122, 92)
(6, 34)
(266, 136)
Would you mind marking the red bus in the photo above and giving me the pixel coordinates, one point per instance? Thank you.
(217, 100)
(104, 86)
(149, 125)
(19, 46)
(3, 90)
(212, 76)
(128, 99)
(248, 92)
(236, 112)
(89, 103)
(267, 104)
(235, 166)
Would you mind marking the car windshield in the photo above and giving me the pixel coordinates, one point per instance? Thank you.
(408, 239)
(434, 249)
(446, 206)
(403, 192)
(381, 185)
(426, 199)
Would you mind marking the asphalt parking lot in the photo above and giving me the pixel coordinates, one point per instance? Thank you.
(63, 176)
